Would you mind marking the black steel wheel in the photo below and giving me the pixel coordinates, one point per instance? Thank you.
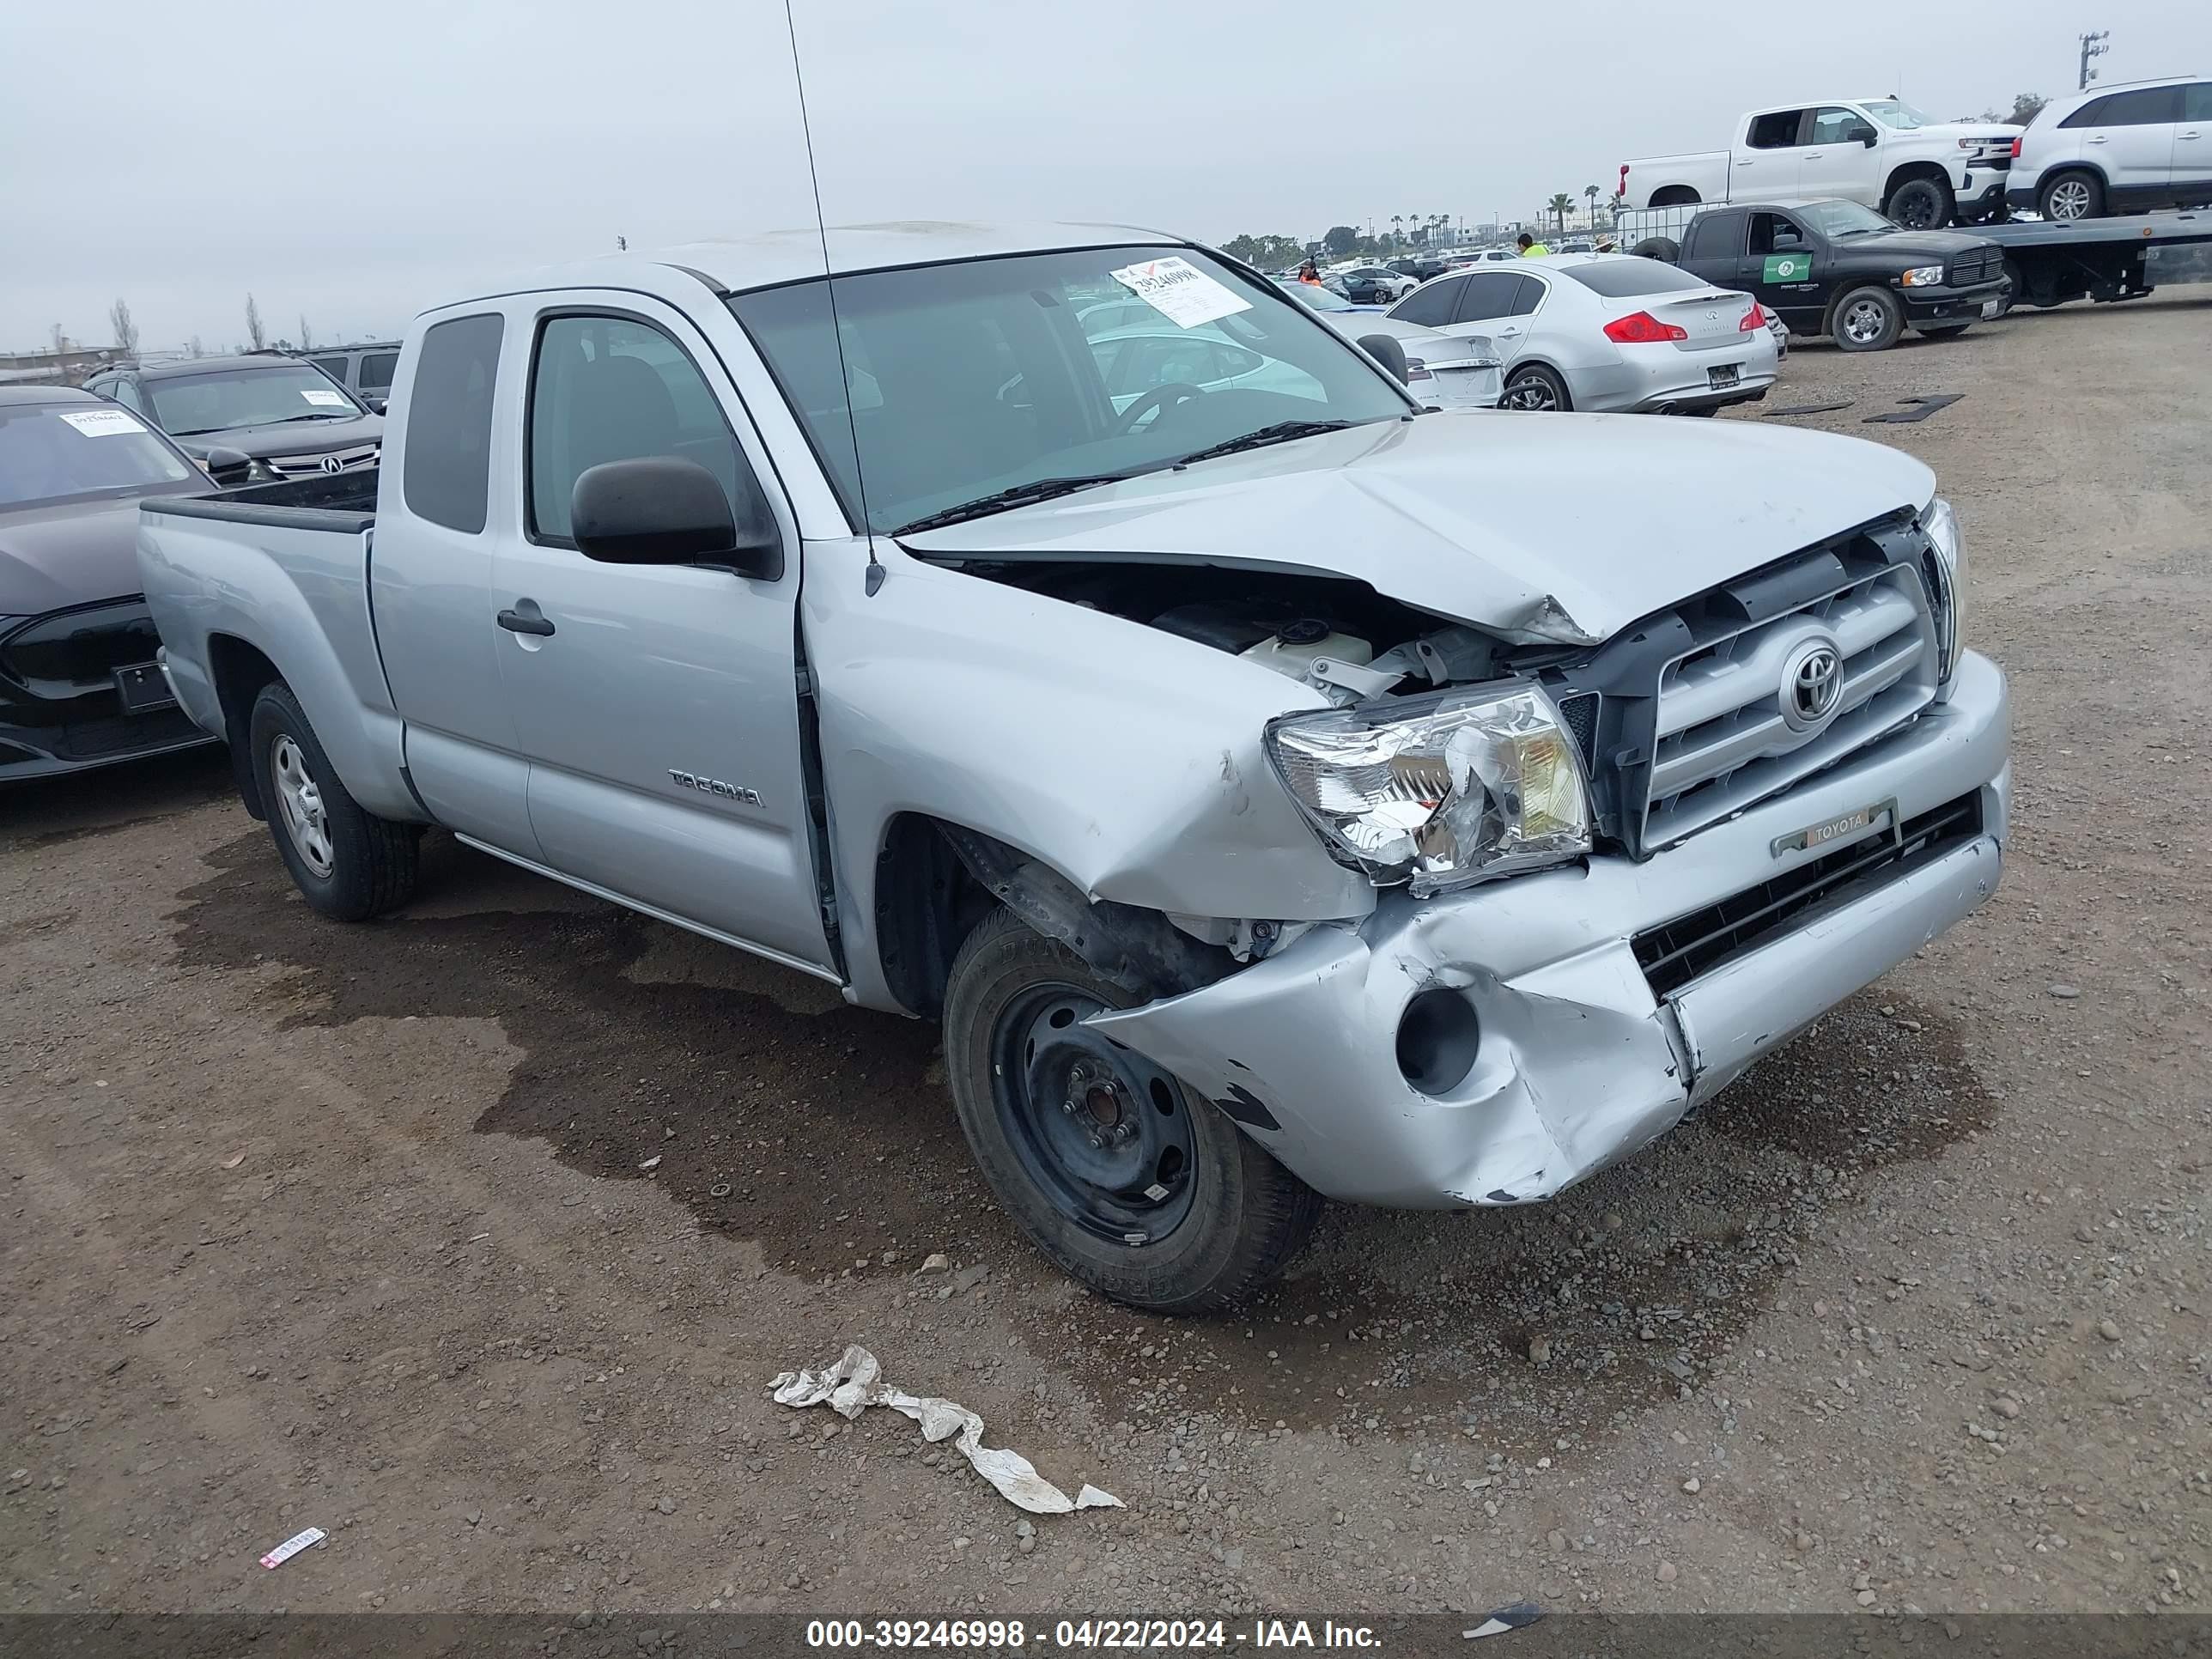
(1921, 205)
(1127, 1179)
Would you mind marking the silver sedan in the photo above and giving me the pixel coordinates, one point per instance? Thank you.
(1606, 332)
(1447, 371)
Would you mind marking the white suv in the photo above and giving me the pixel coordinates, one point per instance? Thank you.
(2118, 149)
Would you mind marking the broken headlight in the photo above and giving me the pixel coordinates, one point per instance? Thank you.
(1443, 790)
(1941, 524)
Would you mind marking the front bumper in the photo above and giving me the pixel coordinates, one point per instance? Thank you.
(62, 708)
(1579, 1062)
(1941, 306)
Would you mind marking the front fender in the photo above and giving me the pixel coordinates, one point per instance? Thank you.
(1126, 759)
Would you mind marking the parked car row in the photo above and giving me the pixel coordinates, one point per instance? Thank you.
(251, 419)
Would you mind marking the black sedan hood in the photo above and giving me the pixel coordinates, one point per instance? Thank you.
(54, 557)
(285, 438)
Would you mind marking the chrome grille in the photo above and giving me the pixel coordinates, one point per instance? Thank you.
(297, 467)
(1981, 264)
(1724, 738)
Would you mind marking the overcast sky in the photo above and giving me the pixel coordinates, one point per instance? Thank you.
(348, 163)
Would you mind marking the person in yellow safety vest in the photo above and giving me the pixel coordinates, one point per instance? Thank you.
(1530, 247)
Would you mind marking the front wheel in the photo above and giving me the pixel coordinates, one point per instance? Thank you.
(1868, 319)
(1535, 388)
(1921, 205)
(347, 862)
(1129, 1182)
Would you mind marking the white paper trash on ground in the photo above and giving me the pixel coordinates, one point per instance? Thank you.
(855, 1383)
(292, 1546)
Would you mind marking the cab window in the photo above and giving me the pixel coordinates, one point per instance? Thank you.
(1775, 130)
(1773, 233)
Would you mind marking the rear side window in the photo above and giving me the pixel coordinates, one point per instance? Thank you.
(2196, 103)
(2145, 107)
(1532, 290)
(1433, 305)
(333, 367)
(124, 393)
(1621, 279)
(447, 462)
(376, 368)
(1490, 294)
(1775, 130)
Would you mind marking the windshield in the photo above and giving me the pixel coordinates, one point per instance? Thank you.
(79, 451)
(1842, 218)
(1895, 112)
(961, 381)
(1316, 299)
(226, 398)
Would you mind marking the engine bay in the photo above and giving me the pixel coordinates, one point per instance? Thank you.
(1338, 636)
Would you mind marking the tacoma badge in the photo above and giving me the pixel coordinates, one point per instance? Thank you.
(716, 786)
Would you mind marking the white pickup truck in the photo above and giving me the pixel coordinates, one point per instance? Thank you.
(1881, 151)
(1277, 791)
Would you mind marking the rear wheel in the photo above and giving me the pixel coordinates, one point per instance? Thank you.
(1664, 249)
(1535, 388)
(1131, 1184)
(1921, 205)
(347, 862)
(1867, 320)
(2072, 196)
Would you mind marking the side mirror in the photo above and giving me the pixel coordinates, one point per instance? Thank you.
(1868, 136)
(1385, 350)
(664, 509)
(220, 460)
(374, 405)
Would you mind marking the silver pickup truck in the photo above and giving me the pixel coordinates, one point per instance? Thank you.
(1277, 791)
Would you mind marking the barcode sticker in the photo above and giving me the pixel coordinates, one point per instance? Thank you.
(292, 1546)
(323, 397)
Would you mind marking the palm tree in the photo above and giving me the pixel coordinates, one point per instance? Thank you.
(1590, 190)
(1558, 207)
(1396, 220)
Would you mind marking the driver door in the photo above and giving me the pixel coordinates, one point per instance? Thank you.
(1780, 269)
(1837, 161)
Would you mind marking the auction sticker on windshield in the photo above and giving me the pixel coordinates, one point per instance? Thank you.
(317, 395)
(101, 422)
(1180, 291)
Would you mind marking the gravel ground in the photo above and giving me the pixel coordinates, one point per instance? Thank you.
(354, 1227)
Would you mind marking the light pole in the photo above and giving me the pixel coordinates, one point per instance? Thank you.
(2092, 46)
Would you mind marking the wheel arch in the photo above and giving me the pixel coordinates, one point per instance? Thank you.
(1905, 172)
(935, 881)
(1676, 196)
(238, 670)
(1539, 360)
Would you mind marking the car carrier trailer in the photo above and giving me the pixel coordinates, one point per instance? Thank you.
(2051, 261)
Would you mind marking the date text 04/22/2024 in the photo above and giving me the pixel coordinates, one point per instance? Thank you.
(1109, 1634)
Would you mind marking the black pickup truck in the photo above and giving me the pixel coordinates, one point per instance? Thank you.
(1836, 267)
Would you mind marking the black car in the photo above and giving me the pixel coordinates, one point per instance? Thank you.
(79, 685)
(253, 419)
(1836, 267)
(1419, 267)
(1367, 285)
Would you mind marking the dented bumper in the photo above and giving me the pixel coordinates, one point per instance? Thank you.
(1572, 1059)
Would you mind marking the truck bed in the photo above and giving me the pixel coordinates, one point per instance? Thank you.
(338, 500)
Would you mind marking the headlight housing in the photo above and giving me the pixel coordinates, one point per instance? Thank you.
(1439, 791)
(1949, 583)
(1923, 277)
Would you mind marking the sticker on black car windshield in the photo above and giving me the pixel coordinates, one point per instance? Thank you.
(1180, 291)
(101, 422)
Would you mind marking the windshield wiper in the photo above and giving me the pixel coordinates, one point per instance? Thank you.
(1280, 433)
(286, 420)
(1036, 489)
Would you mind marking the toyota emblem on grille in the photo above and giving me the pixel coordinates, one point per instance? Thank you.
(332, 464)
(1812, 684)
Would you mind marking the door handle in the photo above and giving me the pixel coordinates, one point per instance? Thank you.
(515, 622)
(2184, 135)
(2095, 138)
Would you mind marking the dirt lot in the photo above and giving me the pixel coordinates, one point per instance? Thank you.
(307, 1224)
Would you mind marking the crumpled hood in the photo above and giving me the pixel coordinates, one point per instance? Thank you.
(1534, 527)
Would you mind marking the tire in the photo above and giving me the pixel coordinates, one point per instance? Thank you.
(1948, 331)
(1674, 196)
(1233, 1216)
(1867, 320)
(1922, 204)
(1664, 249)
(348, 863)
(2071, 195)
(1541, 390)
(1704, 410)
